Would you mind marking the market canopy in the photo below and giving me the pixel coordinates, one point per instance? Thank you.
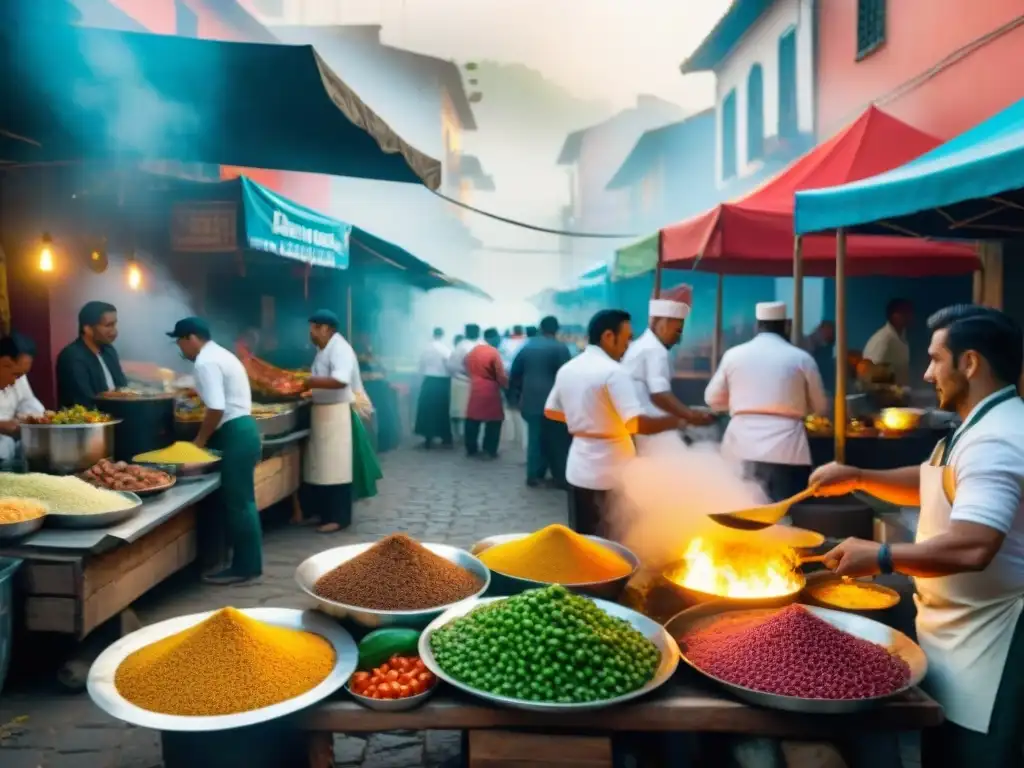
(970, 187)
(77, 93)
(754, 234)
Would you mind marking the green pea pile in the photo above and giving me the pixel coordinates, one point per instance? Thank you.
(546, 645)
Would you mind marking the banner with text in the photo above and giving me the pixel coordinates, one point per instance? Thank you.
(276, 225)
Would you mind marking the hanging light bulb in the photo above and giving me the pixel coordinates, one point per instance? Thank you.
(134, 273)
(46, 254)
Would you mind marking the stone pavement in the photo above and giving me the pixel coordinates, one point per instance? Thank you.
(435, 496)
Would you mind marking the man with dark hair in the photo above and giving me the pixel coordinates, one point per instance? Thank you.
(768, 386)
(460, 379)
(487, 379)
(531, 331)
(433, 405)
(530, 383)
(595, 398)
(648, 363)
(338, 449)
(968, 557)
(223, 386)
(89, 365)
(888, 346)
(16, 396)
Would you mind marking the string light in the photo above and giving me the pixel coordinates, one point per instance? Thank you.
(134, 274)
(46, 254)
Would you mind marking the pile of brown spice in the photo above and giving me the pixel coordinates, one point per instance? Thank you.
(397, 574)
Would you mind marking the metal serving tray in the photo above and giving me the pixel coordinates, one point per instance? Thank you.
(104, 693)
(856, 625)
(649, 628)
(96, 520)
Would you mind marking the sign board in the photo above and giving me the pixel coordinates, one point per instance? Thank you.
(204, 227)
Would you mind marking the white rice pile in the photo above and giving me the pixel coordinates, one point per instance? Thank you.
(63, 495)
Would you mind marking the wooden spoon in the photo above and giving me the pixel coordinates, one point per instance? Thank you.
(759, 518)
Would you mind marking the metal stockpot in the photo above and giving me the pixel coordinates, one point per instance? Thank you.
(66, 449)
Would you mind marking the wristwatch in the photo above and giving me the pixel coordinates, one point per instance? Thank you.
(885, 560)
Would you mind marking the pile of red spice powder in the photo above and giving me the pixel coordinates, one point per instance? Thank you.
(794, 653)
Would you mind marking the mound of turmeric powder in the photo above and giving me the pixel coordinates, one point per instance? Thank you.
(225, 664)
(556, 555)
(178, 453)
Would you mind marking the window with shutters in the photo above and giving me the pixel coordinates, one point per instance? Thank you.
(755, 114)
(789, 124)
(870, 26)
(729, 136)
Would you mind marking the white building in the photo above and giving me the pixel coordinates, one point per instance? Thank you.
(762, 54)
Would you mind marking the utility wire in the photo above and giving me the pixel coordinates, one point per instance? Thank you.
(535, 228)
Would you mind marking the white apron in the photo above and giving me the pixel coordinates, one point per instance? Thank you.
(963, 625)
(329, 450)
(460, 398)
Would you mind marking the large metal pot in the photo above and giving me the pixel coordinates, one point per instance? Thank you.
(146, 422)
(66, 449)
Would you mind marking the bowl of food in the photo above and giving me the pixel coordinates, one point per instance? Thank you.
(798, 658)
(394, 582)
(67, 442)
(589, 565)
(135, 478)
(898, 421)
(399, 684)
(828, 590)
(20, 516)
(183, 459)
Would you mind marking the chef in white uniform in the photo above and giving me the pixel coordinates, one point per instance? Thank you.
(16, 396)
(334, 381)
(648, 362)
(460, 379)
(595, 398)
(769, 386)
(968, 556)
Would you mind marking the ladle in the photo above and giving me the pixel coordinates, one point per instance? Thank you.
(759, 518)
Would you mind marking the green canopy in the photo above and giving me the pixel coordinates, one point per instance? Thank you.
(637, 258)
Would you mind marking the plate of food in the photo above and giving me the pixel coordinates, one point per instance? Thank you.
(122, 476)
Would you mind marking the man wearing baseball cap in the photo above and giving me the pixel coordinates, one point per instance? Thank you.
(223, 386)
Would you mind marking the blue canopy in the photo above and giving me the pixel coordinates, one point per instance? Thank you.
(971, 187)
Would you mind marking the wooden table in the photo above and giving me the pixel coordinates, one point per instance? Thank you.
(687, 704)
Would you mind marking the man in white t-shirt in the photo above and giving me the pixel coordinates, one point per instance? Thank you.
(223, 386)
(967, 559)
(595, 397)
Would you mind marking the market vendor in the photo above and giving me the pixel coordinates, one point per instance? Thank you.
(460, 379)
(649, 363)
(228, 426)
(595, 398)
(769, 386)
(338, 450)
(888, 345)
(16, 396)
(968, 557)
(90, 366)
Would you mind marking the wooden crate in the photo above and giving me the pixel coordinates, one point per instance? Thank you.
(278, 477)
(75, 594)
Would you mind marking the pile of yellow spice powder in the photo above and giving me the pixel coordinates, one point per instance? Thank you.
(228, 663)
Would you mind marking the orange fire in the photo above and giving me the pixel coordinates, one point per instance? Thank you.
(738, 569)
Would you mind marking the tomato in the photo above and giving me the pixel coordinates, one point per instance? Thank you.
(359, 677)
(383, 669)
(403, 691)
(419, 665)
(415, 686)
(369, 690)
(392, 675)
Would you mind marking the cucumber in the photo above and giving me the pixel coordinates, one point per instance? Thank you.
(381, 644)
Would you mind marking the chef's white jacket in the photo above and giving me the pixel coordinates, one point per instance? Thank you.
(16, 400)
(647, 363)
(890, 347)
(222, 383)
(595, 397)
(768, 386)
(434, 360)
(457, 362)
(337, 360)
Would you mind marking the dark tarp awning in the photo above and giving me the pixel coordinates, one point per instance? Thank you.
(361, 247)
(74, 93)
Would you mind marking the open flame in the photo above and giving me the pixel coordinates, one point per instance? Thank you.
(738, 569)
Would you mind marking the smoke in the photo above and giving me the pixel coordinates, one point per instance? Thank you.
(144, 315)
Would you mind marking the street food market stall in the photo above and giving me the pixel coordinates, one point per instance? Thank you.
(422, 636)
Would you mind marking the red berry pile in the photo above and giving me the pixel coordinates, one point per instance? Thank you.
(794, 653)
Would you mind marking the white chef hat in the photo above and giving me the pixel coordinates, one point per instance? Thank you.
(770, 311)
(674, 304)
(675, 310)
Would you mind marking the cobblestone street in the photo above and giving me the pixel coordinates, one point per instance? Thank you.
(435, 496)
